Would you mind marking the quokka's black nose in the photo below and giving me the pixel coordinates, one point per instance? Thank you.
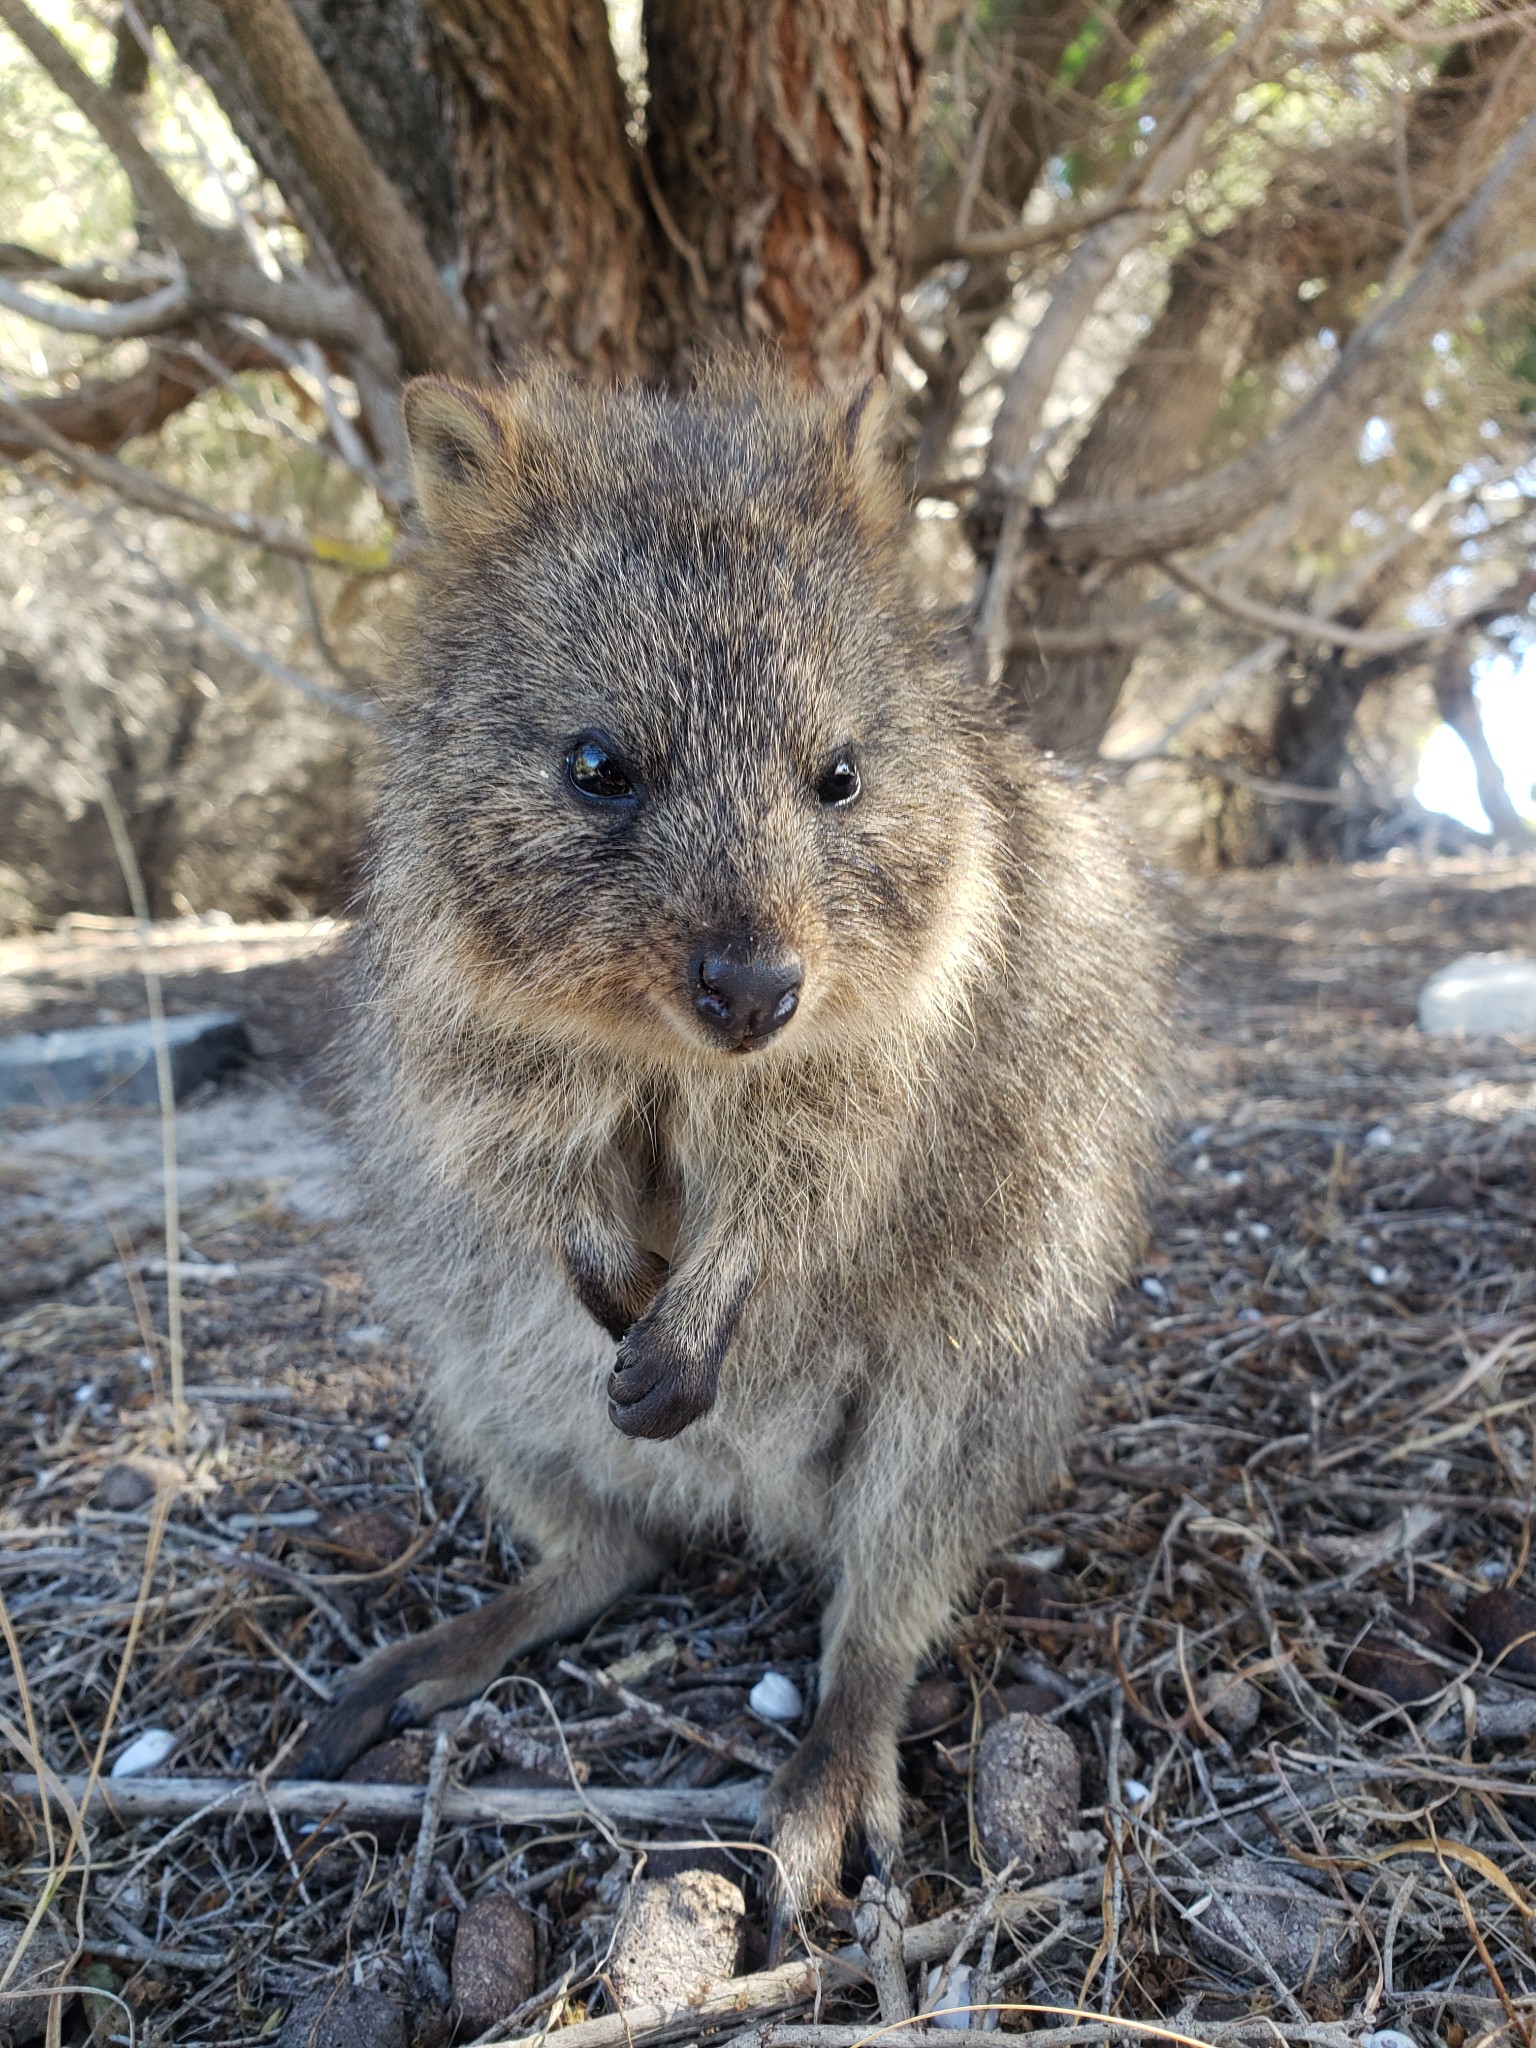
(744, 999)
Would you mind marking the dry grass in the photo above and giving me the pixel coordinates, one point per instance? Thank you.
(1316, 1411)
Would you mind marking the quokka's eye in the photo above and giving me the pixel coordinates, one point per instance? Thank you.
(594, 772)
(840, 785)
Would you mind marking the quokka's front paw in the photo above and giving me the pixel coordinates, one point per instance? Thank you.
(617, 1301)
(656, 1389)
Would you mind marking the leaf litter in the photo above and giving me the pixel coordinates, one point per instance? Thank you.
(1283, 1606)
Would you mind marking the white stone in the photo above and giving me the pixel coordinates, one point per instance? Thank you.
(775, 1697)
(1380, 1138)
(1481, 992)
(146, 1752)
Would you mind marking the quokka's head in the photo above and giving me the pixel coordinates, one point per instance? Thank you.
(679, 764)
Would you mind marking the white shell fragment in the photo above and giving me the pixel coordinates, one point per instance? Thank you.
(949, 2011)
(146, 1752)
(1134, 1792)
(776, 1697)
(1480, 992)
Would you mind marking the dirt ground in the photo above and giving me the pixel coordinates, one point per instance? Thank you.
(1282, 1604)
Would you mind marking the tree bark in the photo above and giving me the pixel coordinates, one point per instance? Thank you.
(558, 257)
(782, 156)
(1234, 303)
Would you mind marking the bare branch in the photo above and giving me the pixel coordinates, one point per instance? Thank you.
(1297, 625)
(138, 487)
(1451, 31)
(1171, 157)
(153, 313)
(384, 239)
(1189, 513)
(104, 412)
(976, 248)
(97, 282)
(182, 227)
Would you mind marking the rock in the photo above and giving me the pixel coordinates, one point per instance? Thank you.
(679, 1937)
(494, 1961)
(132, 1482)
(116, 1062)
(24, 2019)
(367, 1539)
(1231, 1705)
(935, 1703)
(1503, 1625)
(1308, 1936)
(1028, 1789)
(1480, 992)
(1378, 1665)
(346, 2017)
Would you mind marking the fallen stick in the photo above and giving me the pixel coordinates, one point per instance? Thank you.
(738, 1999)
(165, 1798)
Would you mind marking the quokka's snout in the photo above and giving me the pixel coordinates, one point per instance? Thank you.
(743, 990)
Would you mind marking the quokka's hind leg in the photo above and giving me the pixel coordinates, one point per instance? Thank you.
(598, 1556)
(915, 1509)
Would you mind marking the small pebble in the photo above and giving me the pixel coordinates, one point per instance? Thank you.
(494, 1962)
(1260, 1233)
(1028, 1791)
(382, 1441)
(1134, 1792)
(1154, 1289)
(1250, 1315)
(1234, 1178)
(1387, 2037)
(84, 1394)
(1378, 1276)
(1231, 1237)
(1231, 1705)
(1493, 1569)
(1202, 1134)
(776, 1697)
(1380, 1138)
(146, 1752)
(366, 1336)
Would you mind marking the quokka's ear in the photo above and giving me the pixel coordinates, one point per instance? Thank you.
(861, 442)
(458, 447)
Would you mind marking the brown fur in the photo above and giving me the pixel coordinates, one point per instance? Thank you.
(858, 1267)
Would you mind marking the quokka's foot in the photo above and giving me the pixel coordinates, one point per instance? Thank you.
(831, 1789)
(411, 1681)
(397, 1688)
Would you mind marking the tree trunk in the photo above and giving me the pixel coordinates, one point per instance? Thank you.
(558, 257)
(1234, 303)
(1456, 701)
(782, 149)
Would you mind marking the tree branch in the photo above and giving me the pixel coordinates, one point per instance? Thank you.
(996, 242)
(1298, 625)
(385, 245)
(1171, 157)
(138, 487)
(153, 313)
(174, 219)
(104, 412)
(1190, 513)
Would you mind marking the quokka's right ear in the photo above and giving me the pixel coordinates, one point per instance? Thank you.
(459, 449)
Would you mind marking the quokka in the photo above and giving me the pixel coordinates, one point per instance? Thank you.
(759, 1054)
